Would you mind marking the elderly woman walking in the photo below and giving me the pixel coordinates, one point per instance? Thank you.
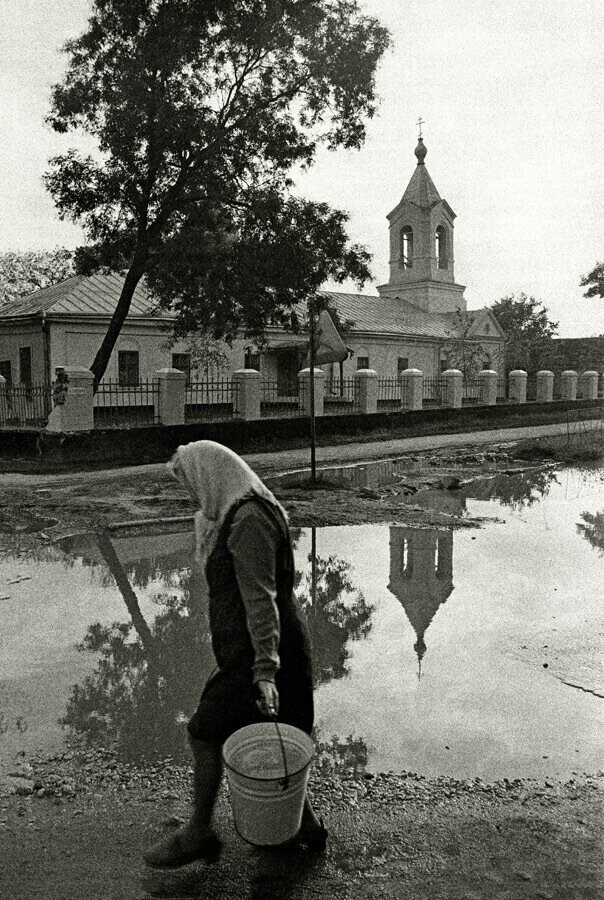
(243, 548)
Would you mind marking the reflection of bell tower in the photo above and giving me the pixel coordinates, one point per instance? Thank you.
(421, 246)
(421, 575)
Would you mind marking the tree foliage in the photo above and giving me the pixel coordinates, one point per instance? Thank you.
(592, 529)
(594, 281)
(148, 673)
(336, 613)
(528, 328)
(200, 109)
(26, 271)
(463, 352)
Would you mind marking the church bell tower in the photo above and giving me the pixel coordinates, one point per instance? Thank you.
(421, 246)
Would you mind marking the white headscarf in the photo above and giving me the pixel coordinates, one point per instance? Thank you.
(216, 478)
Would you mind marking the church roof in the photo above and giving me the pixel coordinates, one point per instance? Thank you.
(97, 295)
(81, 295)
(389, 315)
(421, 190)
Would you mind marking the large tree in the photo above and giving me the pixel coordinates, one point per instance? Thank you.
(528, 328)
(25, 271)
(201, 109)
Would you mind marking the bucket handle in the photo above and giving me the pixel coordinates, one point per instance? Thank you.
(284, 782)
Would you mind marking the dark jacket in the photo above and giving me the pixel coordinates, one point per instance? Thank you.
(254, 619)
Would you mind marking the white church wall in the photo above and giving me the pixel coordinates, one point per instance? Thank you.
(384, 355)
(13, 337)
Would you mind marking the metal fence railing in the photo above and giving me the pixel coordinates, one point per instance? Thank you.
(434, 390)
(389, 392)
(25, 404)
(277, 404)
(471, 390)
(343, 398)
(212, 399)
(118, 405)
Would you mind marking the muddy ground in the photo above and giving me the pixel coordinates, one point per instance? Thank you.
(75, 825)
(36, 513)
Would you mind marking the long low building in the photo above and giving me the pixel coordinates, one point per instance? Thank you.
(418, 319)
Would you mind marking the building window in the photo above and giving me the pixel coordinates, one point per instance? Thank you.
(402, 364)
(486, 361)
(182, 362)
(25, 365)
(252, 360)
(407, 559)
(362, 362)
(441, 247)
(407, 247)
(5, 371)
(127, 363)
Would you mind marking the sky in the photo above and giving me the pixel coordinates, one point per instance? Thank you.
(511, 96)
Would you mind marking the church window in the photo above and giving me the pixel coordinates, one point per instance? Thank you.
(252, 359)
(5, 371)
(362, 362)
(402, 364)
(407, 247)
(441, 247)
(127, 366)
(182, 362)
(407, 559)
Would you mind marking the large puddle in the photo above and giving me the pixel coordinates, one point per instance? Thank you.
(465, 653)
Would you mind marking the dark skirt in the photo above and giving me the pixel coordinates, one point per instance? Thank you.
(228, 702)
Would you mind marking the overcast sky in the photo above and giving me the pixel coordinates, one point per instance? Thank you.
(511, 95)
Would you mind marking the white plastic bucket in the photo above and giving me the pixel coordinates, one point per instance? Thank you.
(267, 770)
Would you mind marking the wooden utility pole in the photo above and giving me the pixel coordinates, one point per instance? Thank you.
(311, 356)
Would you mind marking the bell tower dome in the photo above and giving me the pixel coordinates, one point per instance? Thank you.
(421, 246)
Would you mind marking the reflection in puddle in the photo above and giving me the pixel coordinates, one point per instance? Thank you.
(421, 576)
(493, 621)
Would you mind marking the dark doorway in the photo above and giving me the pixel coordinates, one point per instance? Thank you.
(288, 366)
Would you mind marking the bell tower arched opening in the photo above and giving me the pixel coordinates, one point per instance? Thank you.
(407, 247)
(440, 247)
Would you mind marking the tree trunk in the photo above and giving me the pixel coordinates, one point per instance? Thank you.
(101, 360)
(125, 588)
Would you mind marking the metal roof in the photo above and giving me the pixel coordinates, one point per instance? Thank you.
(389, 315)
(97, 295)
(421, 190)
(80, 295)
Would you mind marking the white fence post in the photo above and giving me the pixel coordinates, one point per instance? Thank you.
(589, 385)
(412, 388)
(171, 396)
(246, 402)
(488, 387)
(517, 381)
(568, 385)
(545, 386)
(366, 385)
(304, 386)
(72, 395)
(453, 379)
